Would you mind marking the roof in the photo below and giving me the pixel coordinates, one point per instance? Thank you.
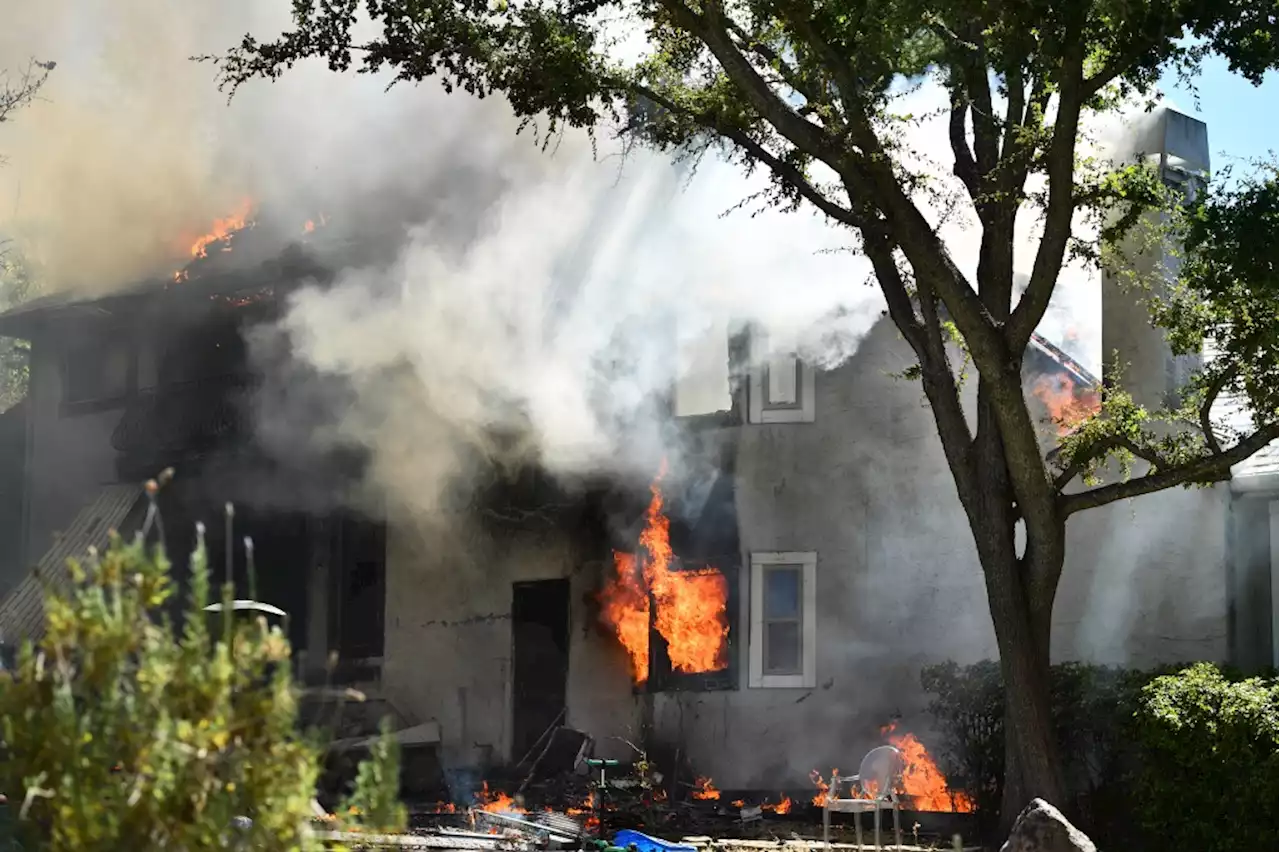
(1073, 368)
(1265, 461)
(224, 283)
(22, 611)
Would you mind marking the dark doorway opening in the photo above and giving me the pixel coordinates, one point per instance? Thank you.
(362, 589)
(540, 671)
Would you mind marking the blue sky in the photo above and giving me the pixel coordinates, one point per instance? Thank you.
(1244, 121)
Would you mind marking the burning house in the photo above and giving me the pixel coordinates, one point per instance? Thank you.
(761, 610)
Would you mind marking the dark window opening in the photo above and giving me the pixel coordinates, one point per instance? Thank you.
(98, 373)
(209, 351)
(663, 677)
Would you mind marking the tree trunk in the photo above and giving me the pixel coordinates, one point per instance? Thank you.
(1022, 627)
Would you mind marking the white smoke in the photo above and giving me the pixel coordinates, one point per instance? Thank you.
(545, 294)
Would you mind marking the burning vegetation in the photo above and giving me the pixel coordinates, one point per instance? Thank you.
(689, 607)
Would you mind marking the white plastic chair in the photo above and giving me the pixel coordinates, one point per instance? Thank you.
(877, 777)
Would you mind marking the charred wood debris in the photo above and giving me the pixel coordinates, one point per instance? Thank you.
(561, 797)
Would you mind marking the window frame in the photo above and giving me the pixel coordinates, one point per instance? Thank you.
(69, 406)
(807, 563)
(759, 410)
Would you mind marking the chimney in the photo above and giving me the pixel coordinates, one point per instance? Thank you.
(1179, 146)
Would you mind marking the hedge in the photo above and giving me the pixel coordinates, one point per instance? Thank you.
(1119, 732)
(1210, 751)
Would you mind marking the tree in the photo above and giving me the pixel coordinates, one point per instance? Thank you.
(804, 90)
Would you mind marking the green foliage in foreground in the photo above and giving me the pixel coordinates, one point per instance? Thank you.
(1210, 762)
(1148, 755)
(119, 732)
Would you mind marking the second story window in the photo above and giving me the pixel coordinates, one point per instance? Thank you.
(781, 389)
(211, 351)
(97, 373)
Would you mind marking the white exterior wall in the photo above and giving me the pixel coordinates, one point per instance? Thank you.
(448, 650)
(866, 487)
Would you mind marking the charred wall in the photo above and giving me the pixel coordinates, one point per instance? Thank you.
(449, 636)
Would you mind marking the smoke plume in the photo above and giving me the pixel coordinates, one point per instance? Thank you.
(522, 302)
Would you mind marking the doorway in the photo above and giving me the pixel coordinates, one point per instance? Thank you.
(540, 660)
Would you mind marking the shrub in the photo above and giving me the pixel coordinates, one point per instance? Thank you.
(1091, 707)
(119, 732)
(1209, 760)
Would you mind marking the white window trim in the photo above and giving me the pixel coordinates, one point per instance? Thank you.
(808, 563)
(757, 393)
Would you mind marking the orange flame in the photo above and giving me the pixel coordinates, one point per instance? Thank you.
(824, 788)
(782, 807)
(496, 802)
(1069, 404)
(690, 605)
(625, 606)
(223, 230)
(921, 778)
(704, 789)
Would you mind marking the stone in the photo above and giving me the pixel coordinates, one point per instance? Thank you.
(1042, 828)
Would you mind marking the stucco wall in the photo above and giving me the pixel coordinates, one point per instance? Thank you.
(448, 644)
(866, 487)
(899, 586)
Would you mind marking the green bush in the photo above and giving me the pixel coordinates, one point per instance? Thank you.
(1209, 747)
(118, 731)
(1092, 707)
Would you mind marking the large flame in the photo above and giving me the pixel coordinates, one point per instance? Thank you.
(691, 606)
(223, 230)
(1069, 404)
(922, 780)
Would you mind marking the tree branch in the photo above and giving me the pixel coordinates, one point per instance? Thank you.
(936, 377)
(711, 27)
(965, 168)
(1211, 468)
(1061, 168)
(789, 173)
(879, 251)
(1098, 451)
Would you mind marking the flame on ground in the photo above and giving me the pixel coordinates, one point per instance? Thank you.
(496, 802)
(690, 605)
(703, 789)
(780, 808)
(1069, 404)
(922, 780)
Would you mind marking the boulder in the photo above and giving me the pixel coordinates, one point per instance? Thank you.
(1042, 828)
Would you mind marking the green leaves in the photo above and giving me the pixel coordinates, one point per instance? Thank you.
(1226, 292)
(1210, 749)
(118, 733)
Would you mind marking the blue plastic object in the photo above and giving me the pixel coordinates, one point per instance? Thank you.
(644, 843)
